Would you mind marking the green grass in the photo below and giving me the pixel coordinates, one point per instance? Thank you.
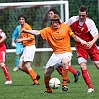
(22, 89)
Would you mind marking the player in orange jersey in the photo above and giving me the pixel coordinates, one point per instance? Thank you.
(58, 37)
(76, 73)
(28, 41)
(2, 57)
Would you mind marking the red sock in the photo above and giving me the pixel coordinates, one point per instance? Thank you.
(86, 77)
(46, 81)
(72, 70)
(6, 73)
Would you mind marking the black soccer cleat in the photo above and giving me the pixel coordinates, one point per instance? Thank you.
(76, 76)
(35, 84)
(38, 77)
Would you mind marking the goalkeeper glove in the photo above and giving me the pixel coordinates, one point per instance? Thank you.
(13, 44)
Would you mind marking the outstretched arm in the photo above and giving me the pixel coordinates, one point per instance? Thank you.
(35, 32)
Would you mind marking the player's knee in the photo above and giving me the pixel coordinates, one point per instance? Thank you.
(45, 74)
(83, 66)
(2, 64)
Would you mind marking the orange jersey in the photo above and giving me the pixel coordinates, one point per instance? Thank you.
(58, 39)
(27, 35)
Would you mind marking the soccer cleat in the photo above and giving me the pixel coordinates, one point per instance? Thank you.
(8, 82)
(64, 88)
(46, 92)
(90, 90)
(76, 76)
(38, 77)
(35, 84)
(15, 69)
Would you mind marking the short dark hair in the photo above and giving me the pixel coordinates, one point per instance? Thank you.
(83, 8)
(54, 10)
(24, 16)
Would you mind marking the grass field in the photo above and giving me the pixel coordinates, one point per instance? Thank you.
(22, 89)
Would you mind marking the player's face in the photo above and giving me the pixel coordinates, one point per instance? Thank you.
(82, 16)
(51, 14)
(22, 20)
(55, 24)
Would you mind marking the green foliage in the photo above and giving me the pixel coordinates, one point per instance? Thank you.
(21, 87)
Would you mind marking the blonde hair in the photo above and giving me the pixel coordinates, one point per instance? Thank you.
(56, 18)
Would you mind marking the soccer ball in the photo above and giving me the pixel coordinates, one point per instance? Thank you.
(54, 83)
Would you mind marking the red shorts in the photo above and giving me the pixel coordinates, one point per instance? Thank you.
(92, 52)
(2, 56)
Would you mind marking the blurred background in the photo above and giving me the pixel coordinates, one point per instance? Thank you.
(38, 18)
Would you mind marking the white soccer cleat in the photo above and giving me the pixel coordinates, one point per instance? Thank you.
(8, 82)
(90, 90)
(15, 69)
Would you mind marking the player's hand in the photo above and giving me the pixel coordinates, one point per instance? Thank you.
(83, 42)
(89, 45)
(13, 44)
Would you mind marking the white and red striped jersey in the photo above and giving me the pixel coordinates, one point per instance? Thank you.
(85, 30)
(2, 44)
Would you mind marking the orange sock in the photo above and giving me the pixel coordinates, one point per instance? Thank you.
(33, 76)
(25, 70)
(46, 81)
(65, 76)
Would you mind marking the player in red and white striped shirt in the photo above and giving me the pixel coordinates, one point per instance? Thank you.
(2, 57)
(85, 28)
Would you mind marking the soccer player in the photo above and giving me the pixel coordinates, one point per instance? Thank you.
(19, 46)
(76, 73)
(2, 57)
(28, 41)
(85, 28)
(56, 35)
